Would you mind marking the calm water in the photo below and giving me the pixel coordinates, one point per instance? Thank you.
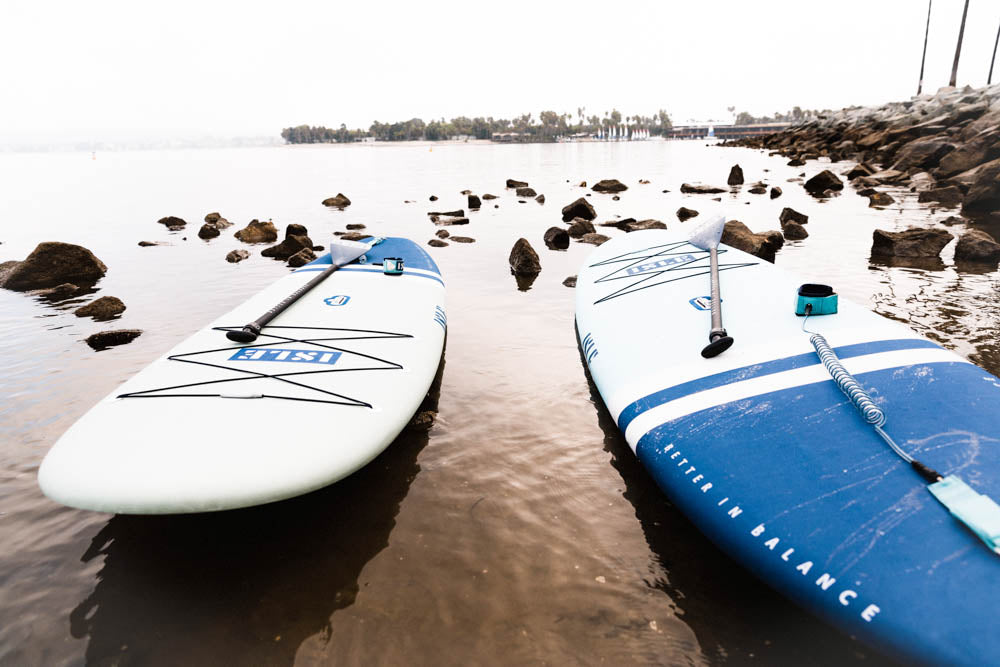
(520, 529)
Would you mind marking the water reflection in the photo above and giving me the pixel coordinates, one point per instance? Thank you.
(245, 586)
(736, 617)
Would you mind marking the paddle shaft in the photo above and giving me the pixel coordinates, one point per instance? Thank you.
(249, 332)
(718, 340)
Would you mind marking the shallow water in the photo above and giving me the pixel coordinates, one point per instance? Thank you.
(520, 529)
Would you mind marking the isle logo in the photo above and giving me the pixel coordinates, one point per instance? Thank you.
(339, 300)
(291, 356)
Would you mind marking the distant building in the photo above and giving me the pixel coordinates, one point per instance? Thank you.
(508, 137)
(706, 130)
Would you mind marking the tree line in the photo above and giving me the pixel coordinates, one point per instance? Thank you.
(546, 127)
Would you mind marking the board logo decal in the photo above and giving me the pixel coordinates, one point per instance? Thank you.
(659, 265)
(338, 300)
(327, 357)
(702, 302)
(440, 317)
(589, 347)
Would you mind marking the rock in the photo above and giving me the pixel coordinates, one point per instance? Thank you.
(615, 198)
(103, 308)
(643, 224)
(977, 246)
(579, 227)
(879, 199)
(978, 150)
(105, 339)
(757, 190)
(302, 257)
(59, 292)
(686, 213)
(53, 263)
(643, 181)
(433, 198)
(764, 245)
(437, 243)
(458, 213)
(488, 196)
(791, 215)
(318, 248)
(688, 188)
(795, 162)
(356, 236)
(212, 217)
(462, 239)
(540, 199)
(295, 241)
(466, 192)
(442, 233)
(735, 175)
(340, 201)
(921, 181)
(352, 227)
(983, 198)
(474, 201)
(556, 238)
(924, 153)
(912, 242)
(793, 231)
(449, 221)
(422, 421)
(775, 192)
(172, 222)
(953, 220)
(523, 259)
(948, 197)
(208, 231)
(236, 256)
(511, 183)
(609, 185)
(888, 177)
(581, 208)
(525, 192)
(258, 232)
(582, 184)
(859, 170)
(570, 281)
(593, 238)
(823, 181)
(146, 244)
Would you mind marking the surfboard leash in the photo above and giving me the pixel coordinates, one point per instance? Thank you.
(977, 511)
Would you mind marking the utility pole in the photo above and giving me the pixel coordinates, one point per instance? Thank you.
(958, 47)
(989, 79)
(923, 59)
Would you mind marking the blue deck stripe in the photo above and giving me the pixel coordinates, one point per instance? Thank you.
(374, 269)
(668, 394)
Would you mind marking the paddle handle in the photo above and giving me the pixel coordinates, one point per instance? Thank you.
(250, 331)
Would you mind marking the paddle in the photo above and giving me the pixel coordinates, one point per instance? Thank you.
(707, 237)
(341, 253)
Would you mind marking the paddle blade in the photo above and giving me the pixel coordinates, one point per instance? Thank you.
(343, 252)
(708, 233)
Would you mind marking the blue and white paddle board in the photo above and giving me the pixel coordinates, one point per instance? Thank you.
(215, 425)
(764, 453)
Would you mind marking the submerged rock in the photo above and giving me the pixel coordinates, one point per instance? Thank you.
(912, 242)
(523, 259)
(540, 199)
(791, 215)
(793, 231)
(976, 245)
(105, 339)
(579, 227)
(686, 213)
(442, 233)
(556, 238)
(462, 239)
(146, 244)
(593, 238)
(437, 243)
(735, 175)
(823, 181)
(236, 256)
(352, 227)
(580, 208)
(474, 201)
(880, 199)
(758, 190)
(258, 232)
(208, 231)
(103, 308)
(763, 245)
(172, 222)
(302, 257)
(570, 281)
(59, 292)
(457, 213)
(513, 183)
(983, 198)
(948, 197)
(775, 192)
(488, 196)
(340, 201)
(52, 263)
(696, 189)
(609, 185)
(213, 217)
(640, 225)
(525, 192)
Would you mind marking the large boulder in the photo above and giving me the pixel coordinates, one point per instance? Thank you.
(258, 232)
(340, 201)
(52, 263)
(581, 208)
(983, 197)
(609, 185)
(735, 175)
(791, 215)
(579, 227)
(523, 259)
(696, 189)
(860, 169)
(208, 231)
(823, 181)
(296, 240)
(976, 245)
(793, 231)
(923, 153)
(763, 245)
(912, 242)
(103, 308)
(976, 151)
(556, 238)
(948, 196)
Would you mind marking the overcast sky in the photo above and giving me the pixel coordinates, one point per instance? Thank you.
(129, 69)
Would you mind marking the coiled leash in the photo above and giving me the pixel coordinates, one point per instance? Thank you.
(978, 512)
